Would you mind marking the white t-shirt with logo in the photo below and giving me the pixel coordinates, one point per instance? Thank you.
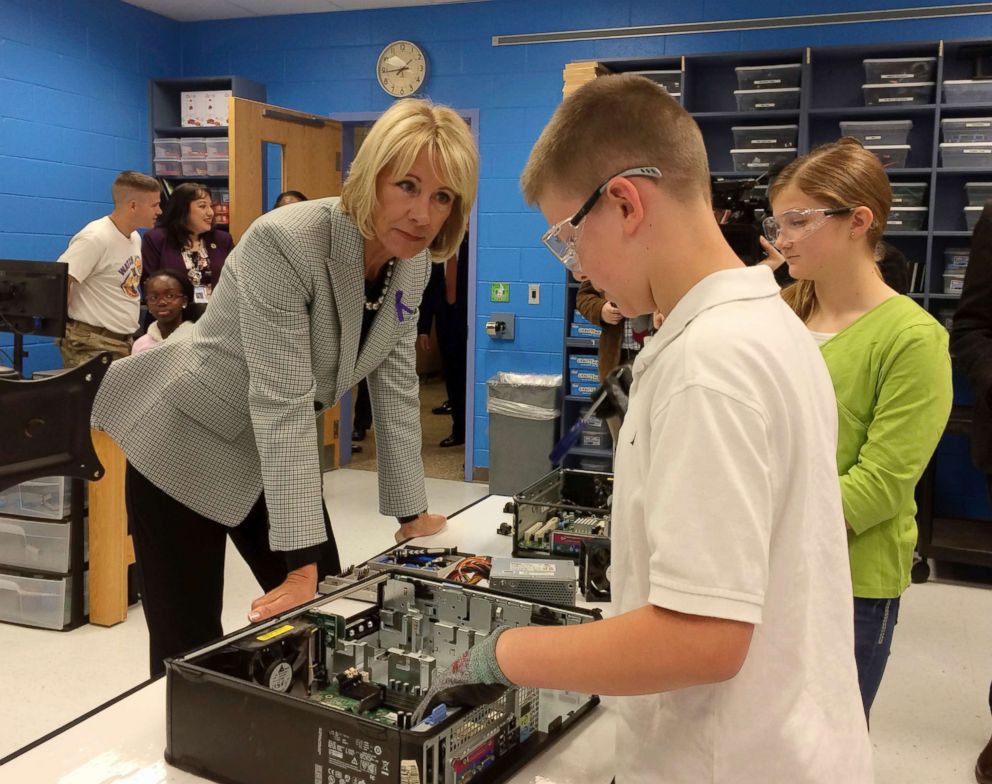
(107, 268)
(727, 505)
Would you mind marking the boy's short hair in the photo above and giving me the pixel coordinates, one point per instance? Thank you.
(128, 181)
(614, 123)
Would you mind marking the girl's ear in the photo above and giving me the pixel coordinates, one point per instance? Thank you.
(861, 221)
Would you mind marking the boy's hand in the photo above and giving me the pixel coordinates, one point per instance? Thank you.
(610, 314)
(474, 679)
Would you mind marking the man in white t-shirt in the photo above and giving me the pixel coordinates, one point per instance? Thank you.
(104, 261)
(730, 644)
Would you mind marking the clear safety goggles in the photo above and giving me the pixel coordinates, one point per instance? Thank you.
(794, 225)
(560, 239)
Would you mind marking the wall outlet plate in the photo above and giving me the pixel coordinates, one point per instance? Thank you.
(533, 293)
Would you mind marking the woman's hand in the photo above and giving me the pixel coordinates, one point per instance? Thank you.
(610, 314)
(425, 525)
(775, 258)
(299, 586)
(423, 342)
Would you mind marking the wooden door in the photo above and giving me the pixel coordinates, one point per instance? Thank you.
(311, 156)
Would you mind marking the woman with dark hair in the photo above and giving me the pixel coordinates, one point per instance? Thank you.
(170, 302)
(186, 241)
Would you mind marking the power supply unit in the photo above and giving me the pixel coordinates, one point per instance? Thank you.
(546, 581)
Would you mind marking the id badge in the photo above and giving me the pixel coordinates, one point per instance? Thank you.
(201, 295)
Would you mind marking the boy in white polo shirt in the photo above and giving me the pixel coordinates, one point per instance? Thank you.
(731, 639)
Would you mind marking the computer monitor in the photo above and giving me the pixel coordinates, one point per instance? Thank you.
(33, 297)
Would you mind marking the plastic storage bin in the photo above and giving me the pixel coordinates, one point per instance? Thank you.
(878, 131)
(966, 129)
(195, 167)
(896, 94)
(583, 362)
(168, 167)
(956, 258)
(762, 159)
(895, 70)
(908, 194)
(523, 413)
(583, 375)
(953, 282)
(968, 91)
(217, 167)
(773, 136)
(193, 147)
(978, 193)
(975, 155)
(590, 331)
(765, 77)
(907, 218)
(971, 216)
(49, 498)
(167, 149)
(37, 601)
(217, 148)
(767, 100)
(892, 156)
(35, 544)
(670, 80)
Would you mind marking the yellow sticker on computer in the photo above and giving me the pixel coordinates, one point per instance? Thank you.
(274, 633)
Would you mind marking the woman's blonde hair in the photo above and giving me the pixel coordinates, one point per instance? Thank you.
(395, 140)
(841, 174)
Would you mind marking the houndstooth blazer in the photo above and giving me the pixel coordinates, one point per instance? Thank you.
(215, 417)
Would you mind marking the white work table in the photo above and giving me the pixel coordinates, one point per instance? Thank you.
(123, 741)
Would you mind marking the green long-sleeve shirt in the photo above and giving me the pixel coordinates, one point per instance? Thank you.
(891, 372)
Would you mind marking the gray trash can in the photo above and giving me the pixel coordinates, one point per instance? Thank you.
(523, 417)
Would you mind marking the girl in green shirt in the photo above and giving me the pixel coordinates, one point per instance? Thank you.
(890, 367)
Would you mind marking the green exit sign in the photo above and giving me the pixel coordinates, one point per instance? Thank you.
(499, 292)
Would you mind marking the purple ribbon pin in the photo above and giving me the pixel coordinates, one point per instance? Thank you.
(401, 309)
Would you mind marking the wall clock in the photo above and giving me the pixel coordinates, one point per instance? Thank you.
(401, 68)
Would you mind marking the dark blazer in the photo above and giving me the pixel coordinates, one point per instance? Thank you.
(214, 417)
(157, 252)
(590, 304)
(971, 337)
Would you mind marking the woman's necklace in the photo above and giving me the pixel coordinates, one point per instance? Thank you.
(385, 285)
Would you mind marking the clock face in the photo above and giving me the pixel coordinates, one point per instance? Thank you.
(401, 68)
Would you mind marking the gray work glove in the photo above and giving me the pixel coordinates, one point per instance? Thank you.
(474, 679)
(617, 386)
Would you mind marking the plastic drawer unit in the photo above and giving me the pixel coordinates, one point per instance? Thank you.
(904, 93)
(35, 544)
(908, 194)
(766, 77)
(978, 193)
(892, 156)
(217, 147)
(896, 70)
(953, 281)
(670, 80)
(217, 167)
(968, 91)
(956, 258)
(971, 216)
(193, 147)
(959, 130)
(47, 497)
(771, 136)
(168, 167)
(884, 132)
(168, 149)
(45, 602)
(969, 155)
(907, 219)
(195, 167)
(767, 100)
(762, 159)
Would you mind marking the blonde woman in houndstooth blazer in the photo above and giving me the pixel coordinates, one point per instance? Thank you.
(219, 428)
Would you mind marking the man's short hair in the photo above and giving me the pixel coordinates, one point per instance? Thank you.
(128, 181)
(614, 123)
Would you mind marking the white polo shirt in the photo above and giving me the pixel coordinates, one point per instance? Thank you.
(727, 504)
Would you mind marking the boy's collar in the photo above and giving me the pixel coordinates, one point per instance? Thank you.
(718, 288)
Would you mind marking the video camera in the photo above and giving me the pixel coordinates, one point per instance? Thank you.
(739, 206)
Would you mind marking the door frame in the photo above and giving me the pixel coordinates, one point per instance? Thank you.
(472, 117)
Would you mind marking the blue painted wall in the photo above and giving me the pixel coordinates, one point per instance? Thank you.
(73, 113)
(325, 63)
